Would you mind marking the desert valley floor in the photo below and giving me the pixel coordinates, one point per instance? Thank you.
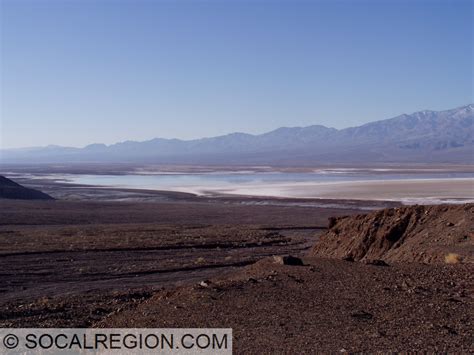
(172, 260)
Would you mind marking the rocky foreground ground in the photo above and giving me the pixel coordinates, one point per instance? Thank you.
(381, 281)
(324, 306)
(416, 300)
(69, 263)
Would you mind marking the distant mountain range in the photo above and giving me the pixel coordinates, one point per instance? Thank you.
(421, 137)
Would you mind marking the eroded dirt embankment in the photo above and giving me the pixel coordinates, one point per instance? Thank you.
(429, 234)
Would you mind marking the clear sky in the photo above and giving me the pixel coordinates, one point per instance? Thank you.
(87, 71)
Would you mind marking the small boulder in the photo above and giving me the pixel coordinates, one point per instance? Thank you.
(287, 260)
(362, 315)
(204, 283)
(332, 222)
(376, 262)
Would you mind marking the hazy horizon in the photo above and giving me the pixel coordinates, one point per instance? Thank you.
(204, 137)
(77, 73)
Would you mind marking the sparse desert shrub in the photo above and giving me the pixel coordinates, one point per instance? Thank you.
(44, 301)
(200, 260)
(452, 258)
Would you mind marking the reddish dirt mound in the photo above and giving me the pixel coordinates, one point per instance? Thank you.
(416, 233)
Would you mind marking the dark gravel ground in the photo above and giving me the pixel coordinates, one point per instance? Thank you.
(325, 306)
(62, 261)
(135, 264)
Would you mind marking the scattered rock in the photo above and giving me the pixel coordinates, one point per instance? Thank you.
(452, 258)
(453, 299)
(362, 315)
(332, 221)
(297, 279)
(376, 262)
(405, 285)
(205, 283)
(287, 260)
(449, 330)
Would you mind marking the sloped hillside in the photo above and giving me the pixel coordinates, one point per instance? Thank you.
(10, 189)
(416, 233)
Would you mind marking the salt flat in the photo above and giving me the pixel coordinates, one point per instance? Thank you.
(411, 191)
(410, 185)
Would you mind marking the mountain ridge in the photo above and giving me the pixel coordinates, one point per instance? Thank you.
(415, 137)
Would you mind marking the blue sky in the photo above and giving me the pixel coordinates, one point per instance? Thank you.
(81, 72)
